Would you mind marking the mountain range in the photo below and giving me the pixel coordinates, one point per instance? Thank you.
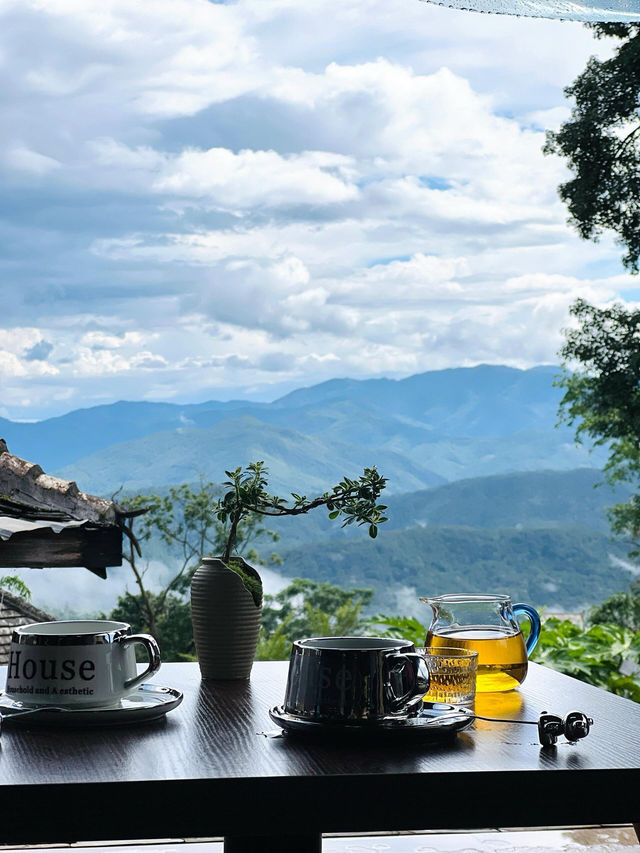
(420, 431)
(484, 489)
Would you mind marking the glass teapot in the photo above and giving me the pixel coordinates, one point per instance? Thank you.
(489, 625)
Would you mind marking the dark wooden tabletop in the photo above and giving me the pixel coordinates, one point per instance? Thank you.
(206, 770)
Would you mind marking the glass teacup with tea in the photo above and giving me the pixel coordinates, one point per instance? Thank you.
(487, 624)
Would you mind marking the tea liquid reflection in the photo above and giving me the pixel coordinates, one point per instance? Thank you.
(506, 705)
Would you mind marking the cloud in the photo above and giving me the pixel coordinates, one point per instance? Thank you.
(10, 365)
(224, 178)
(25, 160)
(99, 340)
(258, 178)
(215, 197)
(149, 361)
(38, 352)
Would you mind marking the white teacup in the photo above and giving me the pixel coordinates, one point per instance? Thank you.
(81, 663)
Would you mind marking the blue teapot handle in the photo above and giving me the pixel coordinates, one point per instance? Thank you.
(534, 618)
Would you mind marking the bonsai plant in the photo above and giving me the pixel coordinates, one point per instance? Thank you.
(226, 592)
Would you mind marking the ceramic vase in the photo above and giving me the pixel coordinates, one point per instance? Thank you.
(226, 620)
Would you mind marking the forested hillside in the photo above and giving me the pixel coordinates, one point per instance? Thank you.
(565, 568)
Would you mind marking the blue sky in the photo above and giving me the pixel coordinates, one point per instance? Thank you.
(207, 200)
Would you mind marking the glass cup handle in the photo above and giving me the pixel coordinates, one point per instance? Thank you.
(153, 650)
(420, 679)
(534, 618)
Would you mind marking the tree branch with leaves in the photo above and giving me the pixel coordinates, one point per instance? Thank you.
(601, 382)
(601, 143)
(247, 495)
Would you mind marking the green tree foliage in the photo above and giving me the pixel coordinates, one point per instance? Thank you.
(601, 142)
(172, 619)
(306, 608)
(247, 497)
(602, 397)
(14, 584)
(621, 609)
(186, 521)
(405, 627)
(563, 564)
(602, 400)
(594, 654)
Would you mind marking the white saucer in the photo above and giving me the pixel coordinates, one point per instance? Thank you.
(146, 703)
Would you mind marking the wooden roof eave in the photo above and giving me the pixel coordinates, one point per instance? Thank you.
(62, 526)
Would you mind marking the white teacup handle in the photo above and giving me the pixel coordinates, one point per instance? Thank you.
(153, 650)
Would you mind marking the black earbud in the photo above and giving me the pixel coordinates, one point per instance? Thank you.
(574, 726)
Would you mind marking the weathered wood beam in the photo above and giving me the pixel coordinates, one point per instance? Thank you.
(93, 547)
(29, 495)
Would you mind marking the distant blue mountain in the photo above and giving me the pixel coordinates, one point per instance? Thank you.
(486, 400)
(62, 440)
(294, 461)
(419, 431)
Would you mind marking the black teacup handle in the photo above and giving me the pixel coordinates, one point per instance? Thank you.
(153, 651)
(420, 684)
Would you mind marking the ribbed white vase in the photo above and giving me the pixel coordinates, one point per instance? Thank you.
(226, 620)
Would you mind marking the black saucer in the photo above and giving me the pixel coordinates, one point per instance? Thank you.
(435, 721)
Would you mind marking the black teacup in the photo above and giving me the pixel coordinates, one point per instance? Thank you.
(349, 679)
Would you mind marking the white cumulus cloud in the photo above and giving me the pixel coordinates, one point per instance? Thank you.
(205, 196)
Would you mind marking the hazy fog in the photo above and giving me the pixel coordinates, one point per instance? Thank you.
(76, 592)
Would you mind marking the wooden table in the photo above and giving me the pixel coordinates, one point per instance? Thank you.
(204, 771)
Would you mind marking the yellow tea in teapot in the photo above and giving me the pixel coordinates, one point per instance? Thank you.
(488, 624)
(502, 656)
